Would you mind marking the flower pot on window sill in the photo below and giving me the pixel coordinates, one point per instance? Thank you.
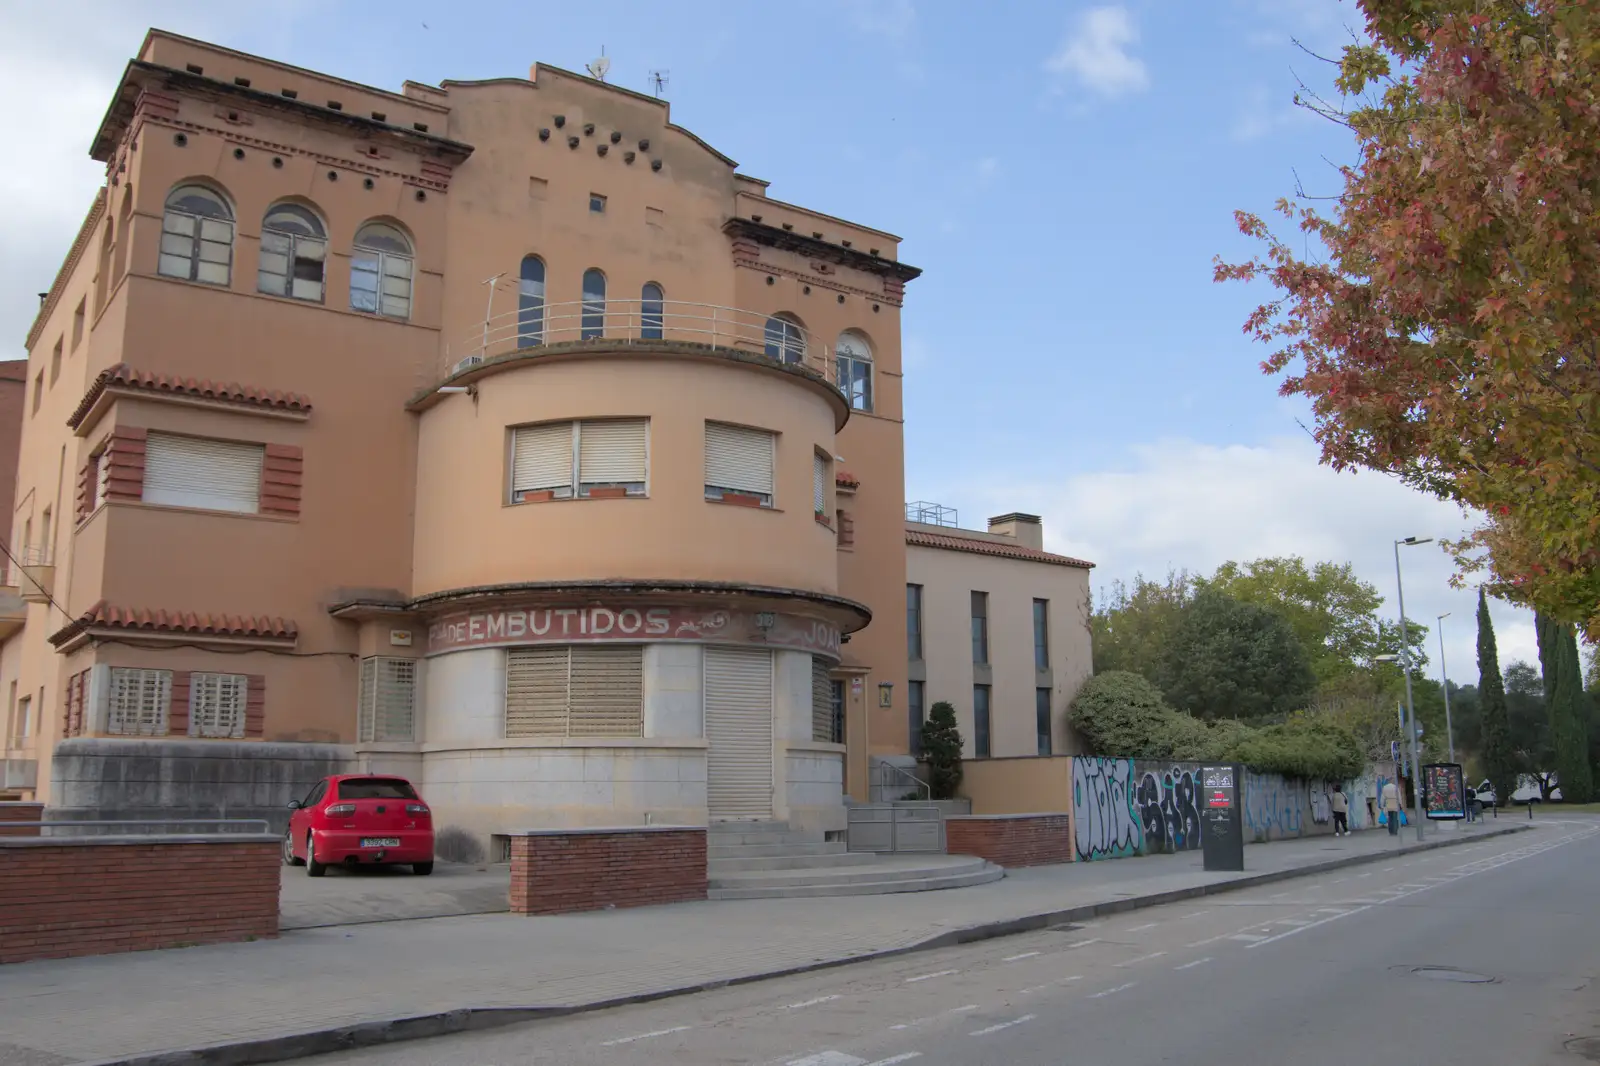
(740, 500)
(607, 492)
(822, 520)
(542, 496)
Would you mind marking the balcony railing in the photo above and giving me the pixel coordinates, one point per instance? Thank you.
(614, 322)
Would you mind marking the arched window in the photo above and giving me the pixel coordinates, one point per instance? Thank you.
(294, 253)
(853, 358)
(786, 342)
(530, 303)
(651, 312)
(594, 304)
(380, 271)
(196, 236)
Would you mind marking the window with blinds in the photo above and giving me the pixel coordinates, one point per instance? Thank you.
(594, 456)
(822, 711)
(138, 701)
(819, 482)
(217, 705)
(739, 462)
(388, 700)
(213, 475)
(575, 691)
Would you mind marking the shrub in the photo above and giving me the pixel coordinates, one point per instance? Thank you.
(1304, 746)
(1122, 714)
(941, 748)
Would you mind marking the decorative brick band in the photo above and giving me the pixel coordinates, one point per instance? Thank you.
(96, 896)
(1011, 839)
(558, 871)
(124, 455)
(13, 812)
(73, 723)
(281, 474)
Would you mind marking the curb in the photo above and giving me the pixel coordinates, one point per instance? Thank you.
(474, 1019)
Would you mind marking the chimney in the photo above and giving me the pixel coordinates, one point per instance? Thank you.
(1025, 529)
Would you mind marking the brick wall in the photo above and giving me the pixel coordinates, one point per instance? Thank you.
(64, 898)
(556, 871)
(1011, 839)
(20, 812)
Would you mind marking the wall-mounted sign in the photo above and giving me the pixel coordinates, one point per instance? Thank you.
(856, 687)
(1443, 791)
(400, 638)
(635, 625)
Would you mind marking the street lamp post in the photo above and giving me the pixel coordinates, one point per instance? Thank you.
(1405, 666)
(1444, 674)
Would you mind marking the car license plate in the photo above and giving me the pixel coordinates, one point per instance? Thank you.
(380, 842)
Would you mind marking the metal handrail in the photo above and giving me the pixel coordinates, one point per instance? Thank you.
(925, 788)
(629, 321)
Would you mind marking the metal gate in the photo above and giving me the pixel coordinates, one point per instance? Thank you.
(738, 701)
(891, 827)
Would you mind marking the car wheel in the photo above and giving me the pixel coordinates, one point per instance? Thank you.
(289, 857)
(313, 867)
(422, 869)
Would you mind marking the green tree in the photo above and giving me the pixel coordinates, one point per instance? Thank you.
(941, 749)
(1332, 612)
(1123, 715)
(1129, 630)
(1528, 719)
(1228, 659)
(1569, 717)
(1499, 759)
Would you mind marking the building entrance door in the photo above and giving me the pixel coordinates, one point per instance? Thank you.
(738, 695)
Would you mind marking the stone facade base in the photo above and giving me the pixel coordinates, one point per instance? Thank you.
(554, 871)
(1011, 839)
(14, 812)
(96, 896)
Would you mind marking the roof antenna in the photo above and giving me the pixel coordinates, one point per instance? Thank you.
(599, 67)
(658, 79)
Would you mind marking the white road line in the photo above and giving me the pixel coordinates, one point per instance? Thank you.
(1193, 914)
(1279, 895)
(1192, 965)
(1248, 936)
(906, 1057)
(930, 976)
(1386, 869)
(1114, 991)
(1084, 943)
(811, 1002)
(1303, 928)
(1363, 875)
(1050, 984)
(1142, 928)
(1003, 1025)
(1141, 958)
(1018, 958)
(1339, 881)
(828, 1058)
(646, 1036)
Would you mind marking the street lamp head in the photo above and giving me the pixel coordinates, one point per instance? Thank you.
(1412, 541)
(1386, 658)
(1442, 617)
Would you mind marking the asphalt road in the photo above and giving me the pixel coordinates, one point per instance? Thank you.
(1314, 972)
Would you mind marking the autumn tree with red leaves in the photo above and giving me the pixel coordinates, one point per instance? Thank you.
(1450, 334)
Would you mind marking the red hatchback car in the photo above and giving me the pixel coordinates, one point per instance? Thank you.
(360, 819)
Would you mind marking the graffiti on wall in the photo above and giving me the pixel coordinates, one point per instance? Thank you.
(1321, 809)
(1167, 810)
(1274, 806)
(1105, 825)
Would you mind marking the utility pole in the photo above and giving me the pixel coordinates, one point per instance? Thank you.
(1405, 665)
(1444, 673)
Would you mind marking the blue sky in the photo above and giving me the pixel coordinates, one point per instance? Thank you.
(1063, 172)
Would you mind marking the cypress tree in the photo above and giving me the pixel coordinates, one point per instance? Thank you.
(1569, 718)
(941, 748)
(1499, 759)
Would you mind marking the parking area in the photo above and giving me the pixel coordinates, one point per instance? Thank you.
(348, 896)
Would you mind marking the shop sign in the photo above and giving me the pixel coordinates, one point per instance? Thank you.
(590, 624)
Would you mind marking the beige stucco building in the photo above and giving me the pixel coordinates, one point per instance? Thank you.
(300, 489)
(997, 627)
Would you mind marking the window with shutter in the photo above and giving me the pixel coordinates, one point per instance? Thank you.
(217, 705)
(577, 691)
(739, 462)
(611, 454)
(541, 460)
(213, 475)
(138, 701)
(536, 692)
(821, 701)
(819, 483)
(388, 700)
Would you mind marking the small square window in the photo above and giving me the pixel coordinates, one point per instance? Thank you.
(597, 204)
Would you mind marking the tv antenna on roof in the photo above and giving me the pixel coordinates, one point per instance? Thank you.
(600, 66)
(658, 80)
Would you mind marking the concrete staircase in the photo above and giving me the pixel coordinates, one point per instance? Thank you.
(769, 860)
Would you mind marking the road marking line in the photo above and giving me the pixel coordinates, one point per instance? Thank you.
(828, 1058)
(1142, 928)
(1248, 936)
(1003, 1025)
(1364, 875)
(1386, 869)
(907, 1057)
(1303, 928)
(1340, 881)
(1141, 958)
(1289, 921)
(1192, 965)
(1193, 914)
(1279, 895)
(1050, 984)
(1114, 991)
(1017, 958)
(811, 1002)
(930, 976)
(1083, 943)
(646, 1036)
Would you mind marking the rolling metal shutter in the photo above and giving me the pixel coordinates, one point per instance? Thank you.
(821, 701)
(738, 695)
(215, 475)
(541, 458)
(388, 699)
(819, 483)
(739, 459)
(606, 693)
(612, 452)
(536, 692)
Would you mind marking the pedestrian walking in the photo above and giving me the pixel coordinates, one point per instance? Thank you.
(1341, 811)
(1390, 802)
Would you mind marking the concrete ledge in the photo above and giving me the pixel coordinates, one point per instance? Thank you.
(125, 841)
(583, 830)
(469, 1019)
(1003, 817)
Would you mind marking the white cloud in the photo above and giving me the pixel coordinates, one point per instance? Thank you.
(1180, 504)
(1261, 113)
(894, 19)
(1096, 53)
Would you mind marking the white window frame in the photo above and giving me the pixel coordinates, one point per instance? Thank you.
(130, 689)
(218, 705)
(380, 264)
(846, 364)
(575, 486)
(376, 719)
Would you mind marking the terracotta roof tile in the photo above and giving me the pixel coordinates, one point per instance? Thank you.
(978, 546)
(126, 377)
(846, 478)
(104, 616)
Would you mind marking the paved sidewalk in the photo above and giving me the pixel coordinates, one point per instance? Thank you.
(115, 1007)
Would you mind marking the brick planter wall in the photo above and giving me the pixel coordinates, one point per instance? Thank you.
(88, 896)
(554, 871)
(1011, 839)
(11, 811)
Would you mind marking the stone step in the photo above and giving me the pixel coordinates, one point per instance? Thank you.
(764, 826)
(762, 839)
(930, 883)
(884, 870)
(813, 846)
(740, 863)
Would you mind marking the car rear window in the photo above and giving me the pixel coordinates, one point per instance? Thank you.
(376, 789)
